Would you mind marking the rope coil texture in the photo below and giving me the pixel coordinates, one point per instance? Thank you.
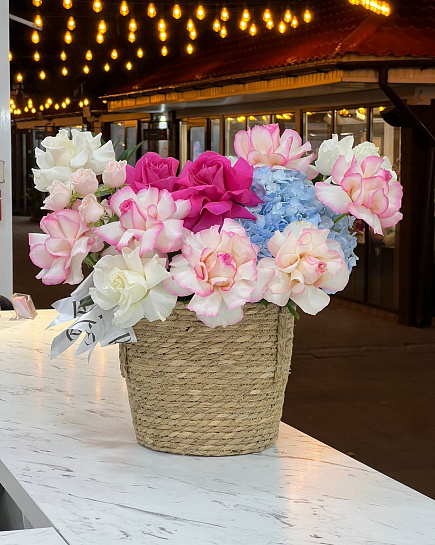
(209, 392)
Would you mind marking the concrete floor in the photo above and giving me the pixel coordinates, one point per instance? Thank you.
(362, 384)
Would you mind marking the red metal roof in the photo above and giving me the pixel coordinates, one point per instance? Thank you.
(337, 29)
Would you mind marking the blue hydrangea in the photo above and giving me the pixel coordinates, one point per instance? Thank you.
(288, 196)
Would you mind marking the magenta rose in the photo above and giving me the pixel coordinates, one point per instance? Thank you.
(150, 168)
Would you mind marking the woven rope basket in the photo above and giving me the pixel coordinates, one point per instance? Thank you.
(209, 392)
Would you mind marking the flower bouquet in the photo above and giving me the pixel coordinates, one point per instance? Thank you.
(199, 275)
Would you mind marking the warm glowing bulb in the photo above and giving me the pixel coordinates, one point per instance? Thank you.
(189, 48)
(67, 4)
(42, 74)
(67, 100)
(224, 14)
(36, 56)
(123, 8)
(33, 110)
(131, 37)
(86, 69)
(26, 109)
(282, 27)
(41, 107)
(190, 25)
(63, 56)
(223, 32)
(35, 37)
(102, 26)
(294, 22)
(307, 15)
(151, 11)
(246, 15)
(68, 37)
(216, 25)
(253, 29)
(49, 101)
(81, 104)
(10, 56)
(86, 102)
(64, 71)
(37, 3)
(161, 25)
(200, 12)
(100, 38)
(19, 77)
(132, 25)
(38, 20)
(88, 55)
(193, 34)
(71, 24)
(243, 25)
(164, 51)
(129, 66)
(97, 6)
(114, 54)
(64, 104)
(176, 12)
(139, 53)
(56, 106)
(267, 15)
(106, 67)
(287, 16)
(163, 36)
(270, 24)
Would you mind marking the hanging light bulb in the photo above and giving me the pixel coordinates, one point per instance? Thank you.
(63, 56)
(38, 20)
(68, 37)
(224, 14)
(282, 27)
(64, 71)
(243, 25)
(161, 25)
(253, 29)
(246, 15)
(100, 38)
(176, 12)
(164, 51)
(49, 101)
(190, 25)
(114, 54)
(63, 104)
(287, 16)
(132, 25)
(163, 36)
(223, 32)
(307, 16)
(97, 6)
(30, 103)
(86, 102)
(10, 55)
(33, 110)
(81, 104)
(200, 12)
(88, 55)
(71, 24)
(19, 77)
(131, 37)
(123, 8)
(36, 56)
(35, 37)
(267, 15)
(294, 22)
(26, 109)
(56, 106)
(139, 53)
(41, 107)
(189, 48)
(102, 27)
(37, 3)
(106, 67)
(129, 66)
(42, 74)
(67, 4)
(86, 69)
(68, 101)
(216, 25)
(193, 34)
(270, 24)
(151, 11)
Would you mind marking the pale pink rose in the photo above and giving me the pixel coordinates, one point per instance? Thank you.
(84, 181)
(263, 146)
(90, 209)
(59, 197)
(150, 219)
(63, 246)
(305, 263)
(363, 189)
(115, 173)
(217, 265)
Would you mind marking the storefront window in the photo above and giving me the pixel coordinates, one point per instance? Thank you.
(258, 120)
(285, 121)
(317, 128)
(232, 126)
(197, 142)
(131, 137)
(352, 122)
(118, 137)
(215, 136)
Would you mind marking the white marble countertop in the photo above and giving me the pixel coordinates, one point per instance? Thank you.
(67, 441)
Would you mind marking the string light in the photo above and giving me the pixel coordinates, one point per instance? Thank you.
(68, 37)
(42, 74)
(381, 8)
(63, 56)
(163, 36)
(164, 51)
(97, 6)
(41, 107)
(63, 104)
(176, 12)
(102, 26)
(246, 15)
(267, 15)
(161, 25)
(67, 100)
(131, 37)
(81, 104)
(132, 25)
(114, 54)
(38, 20)
(100, 38)
(294, 22)
(200, 12)
(123, 8)
(19, 77)
(33, 110)
(37, 3)
(67, 4)
(287, 16)
(216, 25)
(26, 109)
(71, 24)
(106, 67)
(56, 106)
(10, 55)
(307, 16)
(49, 101)
(253, 29)
(151, 11)
(64, 71)
(35, 37)
(193, 34)
(243, 25)
(282, 27)
(190, 25)
(139, 53)
(270, 24)
(224, 14)
(223, 33)
(189, 48)
(36, 56)
(86, 69)
(129, 66)
(88, 55)
(86, 102)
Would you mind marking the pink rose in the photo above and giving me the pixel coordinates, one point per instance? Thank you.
(84, 181)
(90, 209)
(63, 246)
(305, 263)
(150, 168)
(363, 189)
(115, 174)
(263, 146)
(59, 197)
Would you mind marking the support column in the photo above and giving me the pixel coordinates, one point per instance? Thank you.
(6, 287)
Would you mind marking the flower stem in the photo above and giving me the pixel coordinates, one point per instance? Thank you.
(340, 217)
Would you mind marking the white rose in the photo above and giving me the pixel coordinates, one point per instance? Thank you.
(59, 197)
(90, 209)
(330, 150)
(365, 149)
(132, 285)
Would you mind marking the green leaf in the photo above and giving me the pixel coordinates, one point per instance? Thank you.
(86, 302)
(116, 143)
(264, 302)
(126, 154)
(292, 309)
(104, 191)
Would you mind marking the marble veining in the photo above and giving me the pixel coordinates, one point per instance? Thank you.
(66, 436)
(38, 536)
